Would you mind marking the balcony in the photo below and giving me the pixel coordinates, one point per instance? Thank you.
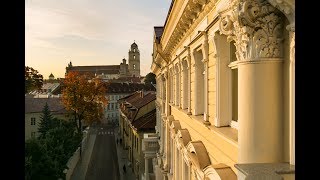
(150, 143)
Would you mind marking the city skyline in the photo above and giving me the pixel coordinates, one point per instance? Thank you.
(88, 33)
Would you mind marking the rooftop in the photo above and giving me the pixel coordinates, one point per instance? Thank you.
(35, 105)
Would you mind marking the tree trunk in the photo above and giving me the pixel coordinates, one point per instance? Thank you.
(80, 126)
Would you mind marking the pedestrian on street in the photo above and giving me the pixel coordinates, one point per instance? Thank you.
(124, 168)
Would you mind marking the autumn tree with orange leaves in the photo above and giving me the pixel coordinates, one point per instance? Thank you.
(85, 97)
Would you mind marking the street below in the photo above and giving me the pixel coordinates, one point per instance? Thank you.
(103, 164)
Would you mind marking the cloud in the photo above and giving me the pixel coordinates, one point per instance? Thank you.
(95, 30)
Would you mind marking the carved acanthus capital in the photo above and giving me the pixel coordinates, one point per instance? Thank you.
(286, 7)
(256, 28)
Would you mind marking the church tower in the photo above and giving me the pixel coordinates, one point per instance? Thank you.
(134, 60)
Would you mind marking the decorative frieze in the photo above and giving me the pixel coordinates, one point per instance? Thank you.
(255, 27)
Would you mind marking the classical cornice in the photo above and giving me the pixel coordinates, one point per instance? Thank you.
(255, 27)
(194, 12)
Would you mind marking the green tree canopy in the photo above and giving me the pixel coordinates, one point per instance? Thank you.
(150, 78)
(33, 80)
(46, 121)
(46, 158)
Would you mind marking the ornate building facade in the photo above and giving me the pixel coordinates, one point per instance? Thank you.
(226, 90)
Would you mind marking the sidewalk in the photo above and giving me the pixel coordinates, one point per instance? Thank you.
(123, 159)
(80, 170)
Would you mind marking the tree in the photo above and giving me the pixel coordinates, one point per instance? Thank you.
(85, 97)
(33, 80)
(46, 121)
(150, 79)
(46, 158)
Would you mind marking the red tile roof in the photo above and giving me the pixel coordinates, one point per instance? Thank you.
(131, 104)
(110, 69)
(146, 122)
(127, 87)
(147, 98)
(34, 105)
(158, 30)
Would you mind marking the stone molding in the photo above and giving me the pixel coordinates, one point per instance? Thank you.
(174, 127)
(191, 17)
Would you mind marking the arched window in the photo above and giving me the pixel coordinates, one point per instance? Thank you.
(134, 66)
(134, 56)
(134, 50)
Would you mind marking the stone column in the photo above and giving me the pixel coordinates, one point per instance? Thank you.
(189, 81)
(176, 74)
(168, 93)
(180, 83)
(167, 152)
(146, 167)
(205, 52)
(292, 95)
(256, 28)
(176, 171)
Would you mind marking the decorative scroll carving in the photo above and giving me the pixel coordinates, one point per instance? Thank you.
(286, 8)
(256, 28)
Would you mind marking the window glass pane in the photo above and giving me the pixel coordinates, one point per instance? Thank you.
(235, 94)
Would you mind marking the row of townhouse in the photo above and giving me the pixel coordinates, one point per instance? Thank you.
(137, 131)
(225, 104)
(116, 91)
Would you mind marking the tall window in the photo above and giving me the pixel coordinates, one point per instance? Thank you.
(134, 56)
(185, 84)
(234, 82)
(227, 83)
(134, 66)
(199, 83)
(177, 77)
(134, 50)
(33, 121)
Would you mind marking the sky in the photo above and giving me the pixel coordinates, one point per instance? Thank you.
(89, 32)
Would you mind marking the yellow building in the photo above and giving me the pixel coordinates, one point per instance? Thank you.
(137, 119)
(225, 90)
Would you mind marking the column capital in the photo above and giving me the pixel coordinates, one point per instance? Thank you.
(255, 27)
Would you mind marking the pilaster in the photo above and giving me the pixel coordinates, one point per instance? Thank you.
(205, 52)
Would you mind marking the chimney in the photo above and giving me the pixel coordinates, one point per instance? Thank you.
(141, 94)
